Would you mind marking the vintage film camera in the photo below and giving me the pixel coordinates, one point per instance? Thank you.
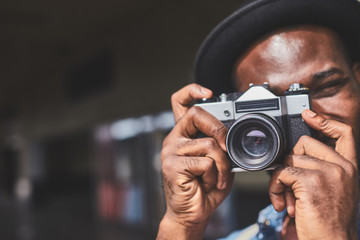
(262, 127)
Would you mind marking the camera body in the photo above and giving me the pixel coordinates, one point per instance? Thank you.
(262, 127)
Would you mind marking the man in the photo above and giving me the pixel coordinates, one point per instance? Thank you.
(279, 42)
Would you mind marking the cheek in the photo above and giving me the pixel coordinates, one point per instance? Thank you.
(343, 107)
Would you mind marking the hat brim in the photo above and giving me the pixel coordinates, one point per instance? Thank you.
(224, 45)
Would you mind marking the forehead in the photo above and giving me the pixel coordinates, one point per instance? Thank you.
(290, 55)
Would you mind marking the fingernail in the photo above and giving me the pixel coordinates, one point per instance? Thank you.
(223, 146)
(310, 113)
(205, 91)
(224, 185)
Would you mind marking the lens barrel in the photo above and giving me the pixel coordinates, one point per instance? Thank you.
(254, 141)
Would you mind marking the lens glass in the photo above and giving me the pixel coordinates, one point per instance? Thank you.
(255, 143)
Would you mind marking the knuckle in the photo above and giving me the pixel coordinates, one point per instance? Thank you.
(170, 139)
(337, 173)
(165, 153)
(347, 129)
(194, 111)
(208, 164)
(210, 143)
(219, 130)
(167, 166)
(276, 172)
(166, 141)
(316, 179)
(304, 139)
(174, 97)
(352, 171)
(167, 147)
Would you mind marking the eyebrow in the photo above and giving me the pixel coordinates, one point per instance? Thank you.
(327, 73)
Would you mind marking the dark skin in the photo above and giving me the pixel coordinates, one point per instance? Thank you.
(318, 184)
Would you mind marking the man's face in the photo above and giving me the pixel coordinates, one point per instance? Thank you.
(312, 56)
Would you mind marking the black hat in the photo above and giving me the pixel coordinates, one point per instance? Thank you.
(217, 55)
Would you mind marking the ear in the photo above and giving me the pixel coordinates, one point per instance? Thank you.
(356, 70)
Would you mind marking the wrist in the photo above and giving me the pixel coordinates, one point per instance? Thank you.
(176, 230)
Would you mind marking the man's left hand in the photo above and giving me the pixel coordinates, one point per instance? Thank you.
(318, 184)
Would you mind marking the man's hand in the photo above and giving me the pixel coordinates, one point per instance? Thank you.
(196, 171)
(319, 184)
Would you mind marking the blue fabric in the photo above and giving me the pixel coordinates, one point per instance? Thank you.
(268, 226)
(270, 223)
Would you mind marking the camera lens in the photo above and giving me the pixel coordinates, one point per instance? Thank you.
(254, 141)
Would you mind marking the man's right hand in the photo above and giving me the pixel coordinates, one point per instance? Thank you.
(196, 171)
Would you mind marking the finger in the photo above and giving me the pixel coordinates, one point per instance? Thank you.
(191, 168)
(277, 192)
(216, 194)
(277, 198)
(283, 178)
(290, 202)
(317, 150)
(307, 162)
(198, 120)
(311, 163)
(207, 147)
(182, 99)
(345, 141)
(311, 147)
(204, 169)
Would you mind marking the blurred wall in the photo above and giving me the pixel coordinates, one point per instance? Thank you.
(153, 44)
(67, 67)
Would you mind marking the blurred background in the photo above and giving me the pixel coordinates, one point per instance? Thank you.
(85, 92)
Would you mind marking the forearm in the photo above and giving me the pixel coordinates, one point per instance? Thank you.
(169, 229)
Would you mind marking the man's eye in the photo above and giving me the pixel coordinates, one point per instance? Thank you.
(328, 89)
